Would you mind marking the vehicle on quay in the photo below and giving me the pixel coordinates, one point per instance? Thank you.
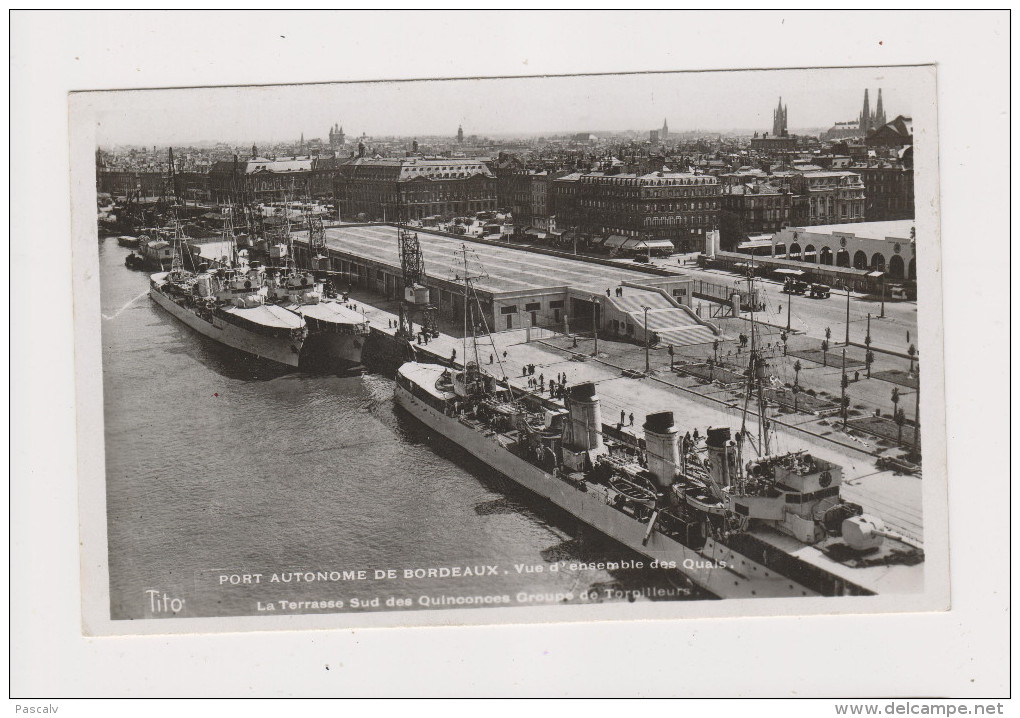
(795, 286)
(229, 304)
(770, 526)
(899, 292)
(820, 291)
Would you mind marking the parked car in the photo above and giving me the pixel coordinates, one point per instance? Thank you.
(795, 286)
(820, 291)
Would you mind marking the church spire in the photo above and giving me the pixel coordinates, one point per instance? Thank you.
(779, 119)
(866, 114)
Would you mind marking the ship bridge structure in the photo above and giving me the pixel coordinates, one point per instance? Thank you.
(517, 288)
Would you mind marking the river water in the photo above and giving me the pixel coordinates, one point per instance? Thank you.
(236, 488)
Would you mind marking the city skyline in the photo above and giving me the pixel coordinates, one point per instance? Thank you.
(710, 102)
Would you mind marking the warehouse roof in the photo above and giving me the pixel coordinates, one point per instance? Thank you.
(506, 269)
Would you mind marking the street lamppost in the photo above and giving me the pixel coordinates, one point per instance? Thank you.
(595, 326)
(789, 301)
(648, 366)
(844, 404)
(847, 339)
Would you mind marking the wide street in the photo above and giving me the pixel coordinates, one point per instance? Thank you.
(813, 316)
(896, 331)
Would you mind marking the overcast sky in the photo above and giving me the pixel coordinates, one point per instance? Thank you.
(690, 101)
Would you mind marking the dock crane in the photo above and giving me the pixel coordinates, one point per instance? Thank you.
(415, 302)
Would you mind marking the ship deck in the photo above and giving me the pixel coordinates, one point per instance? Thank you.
(332, 312)
(267, 315)
(894, 578)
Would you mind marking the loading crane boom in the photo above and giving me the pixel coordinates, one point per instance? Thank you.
(415, 302)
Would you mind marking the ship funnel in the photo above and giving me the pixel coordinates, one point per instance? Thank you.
(662, 447)
(585, 417)
(722, 455)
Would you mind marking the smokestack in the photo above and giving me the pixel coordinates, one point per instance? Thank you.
(662, 447)
(722, 456)
(585, 417)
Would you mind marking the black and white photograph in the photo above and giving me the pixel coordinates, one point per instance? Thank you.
(480, 349)
(388, 348)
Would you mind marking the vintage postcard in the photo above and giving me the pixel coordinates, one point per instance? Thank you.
(504, 350)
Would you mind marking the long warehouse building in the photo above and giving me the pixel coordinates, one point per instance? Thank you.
(517, 288)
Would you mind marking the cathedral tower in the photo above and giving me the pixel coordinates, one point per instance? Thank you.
(871, 121)
(779, 128)
(336, 136)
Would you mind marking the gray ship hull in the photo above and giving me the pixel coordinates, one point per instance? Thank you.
(278, 349)
(341, 349)
(716, 568)
(336, 334)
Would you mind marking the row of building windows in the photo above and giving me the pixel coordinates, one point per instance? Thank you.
(531, 307)
(646, 182)
(698, 219)
(649, 194)
(628, 232)
(646, 208)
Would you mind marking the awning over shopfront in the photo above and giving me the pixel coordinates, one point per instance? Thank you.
(645, 244)
(615, 241)
(791, 272)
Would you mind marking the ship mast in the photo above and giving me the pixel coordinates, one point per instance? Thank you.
(177, 261)
(757, 369)
(290, 265)
(230, 236)
(469, 311)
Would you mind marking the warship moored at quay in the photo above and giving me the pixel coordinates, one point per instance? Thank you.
(770, 526)
(776, 527)
(276, 313)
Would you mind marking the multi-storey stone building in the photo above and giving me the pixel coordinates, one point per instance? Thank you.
(888, 189)
(662, 205)
(272, 180)
(832, 196)
(413, 188)
(752, 208)
(564, 200)
(120, 183)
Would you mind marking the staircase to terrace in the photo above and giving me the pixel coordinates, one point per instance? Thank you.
(672, 324)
